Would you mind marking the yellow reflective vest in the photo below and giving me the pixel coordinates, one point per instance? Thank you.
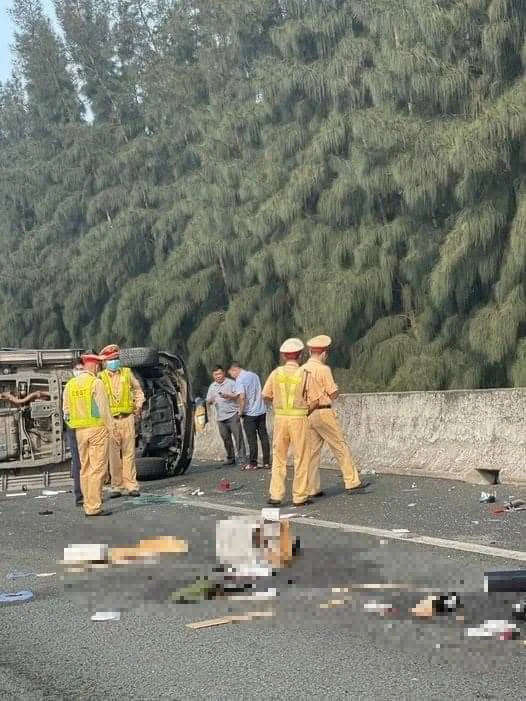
(124, 403)
(83, 411)
(286, 403)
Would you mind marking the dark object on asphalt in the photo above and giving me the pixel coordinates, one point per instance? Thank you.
(225, 486)
(505, 581)
(436, 605)
(203, 588)
(227, 463)
(79, 502)
(47, 512)
(134, 493)
(18, 597)
(273, 502)
(360, 489)
(447, 603)
(486, 498)
(512, 505)
(147, 499)
(318, 495)
(115, 495)
(519, 610)
(99, 513)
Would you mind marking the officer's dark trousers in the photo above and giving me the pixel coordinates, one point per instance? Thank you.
(75, 462)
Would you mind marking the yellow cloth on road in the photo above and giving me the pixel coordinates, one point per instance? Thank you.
(149, 548)
(93, 452)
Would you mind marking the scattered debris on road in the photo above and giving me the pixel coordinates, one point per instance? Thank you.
(433, 605)
(503, 630)
(21, 575)
(18, 597)
(106, 616)
(46, 512)
(149, 499)
(487, 498)
(204, 588)
(519, 611)
(93, 556)
(379, 607)
(333, 603)
(257, 595)
(225, 486)
(243, 618)
(148, 549)
(510, 506)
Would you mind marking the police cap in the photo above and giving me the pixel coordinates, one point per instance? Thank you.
(319, 343)
(292, 345)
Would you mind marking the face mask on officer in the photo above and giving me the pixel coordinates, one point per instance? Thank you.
(113, 365)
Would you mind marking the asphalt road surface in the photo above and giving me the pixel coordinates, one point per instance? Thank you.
(50, 649)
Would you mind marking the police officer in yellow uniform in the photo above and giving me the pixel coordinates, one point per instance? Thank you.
(126, 400)
(286, 387)
(87, 412)
(324, 426)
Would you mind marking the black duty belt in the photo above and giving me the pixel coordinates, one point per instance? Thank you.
(319, 408)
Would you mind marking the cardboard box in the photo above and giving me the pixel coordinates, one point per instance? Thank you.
(243, 543)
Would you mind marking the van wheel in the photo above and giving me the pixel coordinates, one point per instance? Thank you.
(139, 357)
(150, 468)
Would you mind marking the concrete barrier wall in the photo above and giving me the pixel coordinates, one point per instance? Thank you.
(458, 434)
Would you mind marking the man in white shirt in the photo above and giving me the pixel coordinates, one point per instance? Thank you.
(253, 412)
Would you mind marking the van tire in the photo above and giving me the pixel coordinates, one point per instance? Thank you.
(150, 468)
(139, 357)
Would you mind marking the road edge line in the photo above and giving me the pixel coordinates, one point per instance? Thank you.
(416, 539)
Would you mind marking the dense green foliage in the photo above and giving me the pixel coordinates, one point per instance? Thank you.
(215, 175)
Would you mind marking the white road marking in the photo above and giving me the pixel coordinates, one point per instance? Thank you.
(463, 546)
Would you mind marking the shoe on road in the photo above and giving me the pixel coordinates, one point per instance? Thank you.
(359, 489)
(115, 494)
(79, 502)
(273, 502)
(227, 463)
(303, 503)
(134, 493)
(317, 495)
(99, 513)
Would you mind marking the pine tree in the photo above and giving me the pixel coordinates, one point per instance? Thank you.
(245, 171)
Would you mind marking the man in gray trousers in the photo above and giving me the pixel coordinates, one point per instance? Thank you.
(227, 414)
